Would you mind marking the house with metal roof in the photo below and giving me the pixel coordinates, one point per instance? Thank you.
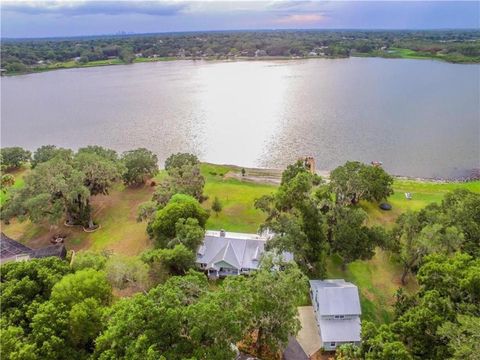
(337, 310)
(12, 250)
(227, 253)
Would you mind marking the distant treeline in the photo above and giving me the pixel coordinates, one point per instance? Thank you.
(451, 45)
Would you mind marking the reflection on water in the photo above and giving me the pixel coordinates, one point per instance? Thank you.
(421, 118)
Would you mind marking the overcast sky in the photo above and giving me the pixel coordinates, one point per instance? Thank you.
(74, 18)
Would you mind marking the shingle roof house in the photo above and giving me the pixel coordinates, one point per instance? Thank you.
(12, 250)
(225, 253)
(337, 309)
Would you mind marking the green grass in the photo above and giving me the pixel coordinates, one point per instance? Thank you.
(377, 279)
(403, 53)
(74, 64)
(237, 198)
(423, 193)
(19, 181)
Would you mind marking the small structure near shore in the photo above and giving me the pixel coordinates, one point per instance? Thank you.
(12, 250)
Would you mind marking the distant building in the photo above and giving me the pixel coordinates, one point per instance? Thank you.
(259, 52)
(12, 250)
(225, 253)
(337, 309)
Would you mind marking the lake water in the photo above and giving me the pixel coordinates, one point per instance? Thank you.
(419, 117)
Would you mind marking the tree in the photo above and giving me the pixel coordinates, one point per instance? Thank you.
(146, 210)
(26, 284)
(7, 181)
(127, 56)
(416, 237)
(14, 157)
(418, 327)
(89, 260)
(107, 154)
(180, 319)
(454, 277)
(48, 152)
(275, 297)
(355, 181)
(179, 160)
(162, 227)
(461, 208)
(81, 285)
(296, 218)
(243, 172)
(100, 172)
(352, 240)
(140, 164)
(71, 320)
(123, 272)
(177, 261)
(189, 233)
(382, 343)
(463, 337)
(53, 189)
(216, 205)
(292, 171)
(184, 180)
(348, 352)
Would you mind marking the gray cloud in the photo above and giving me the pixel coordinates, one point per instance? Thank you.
(79, 8)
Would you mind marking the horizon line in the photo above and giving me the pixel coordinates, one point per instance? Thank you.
(127, 34)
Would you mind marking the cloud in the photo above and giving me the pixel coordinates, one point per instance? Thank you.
(78, 8)
(301, 19)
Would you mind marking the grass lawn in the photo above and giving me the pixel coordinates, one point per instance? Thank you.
(19, 175)
(237, 198)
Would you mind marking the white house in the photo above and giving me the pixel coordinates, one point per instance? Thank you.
(337, 310)
(227, 253)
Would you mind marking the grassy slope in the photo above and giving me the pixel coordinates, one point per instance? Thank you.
(378, 278)
(237, 198)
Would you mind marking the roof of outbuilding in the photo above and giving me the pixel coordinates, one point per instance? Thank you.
(336, 297)
(10, 248)
(57, 250)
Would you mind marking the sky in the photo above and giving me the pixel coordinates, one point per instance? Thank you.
(38, 18)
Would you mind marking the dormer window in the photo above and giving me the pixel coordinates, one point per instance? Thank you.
(339, 317)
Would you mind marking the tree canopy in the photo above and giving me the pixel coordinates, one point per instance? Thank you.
(14, 157)
(140, 164)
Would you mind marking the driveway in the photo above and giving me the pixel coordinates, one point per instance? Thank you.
(308, 337)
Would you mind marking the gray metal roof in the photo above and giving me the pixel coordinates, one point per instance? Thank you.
(340, 330)
(237, 250)
(336, 297)
(10, 248)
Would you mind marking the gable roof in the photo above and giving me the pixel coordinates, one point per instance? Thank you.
(336, 297)
(239, 250)
(10, 249)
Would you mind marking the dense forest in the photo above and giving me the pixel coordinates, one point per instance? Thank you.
(102, 305)
(24, 55)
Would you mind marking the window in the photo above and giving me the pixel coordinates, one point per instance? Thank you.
(339, 317)
(332, 344)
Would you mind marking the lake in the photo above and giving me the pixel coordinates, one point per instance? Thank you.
(421, 118)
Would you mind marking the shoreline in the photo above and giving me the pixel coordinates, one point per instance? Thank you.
(275, 173)
(113, 62)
